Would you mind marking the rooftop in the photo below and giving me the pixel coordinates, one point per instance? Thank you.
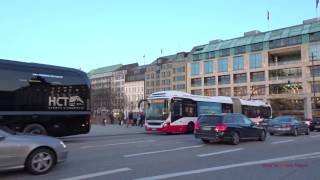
(105, 69)
(308, 26)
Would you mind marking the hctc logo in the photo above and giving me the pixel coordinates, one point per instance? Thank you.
(71, 101)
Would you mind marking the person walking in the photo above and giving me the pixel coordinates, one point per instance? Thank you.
(130, 118)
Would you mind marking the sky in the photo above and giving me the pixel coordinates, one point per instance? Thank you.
(88, 34)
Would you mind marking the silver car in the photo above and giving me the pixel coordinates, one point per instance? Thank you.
(37, 154)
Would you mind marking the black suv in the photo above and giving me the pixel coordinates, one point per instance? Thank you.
(315, 124)
(227, 127)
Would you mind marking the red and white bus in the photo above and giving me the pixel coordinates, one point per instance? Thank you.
(176, 112)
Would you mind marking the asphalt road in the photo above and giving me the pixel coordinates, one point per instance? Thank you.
(156, 156)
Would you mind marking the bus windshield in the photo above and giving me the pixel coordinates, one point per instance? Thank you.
(157, 110)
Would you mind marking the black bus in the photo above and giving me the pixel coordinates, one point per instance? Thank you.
(44, 99)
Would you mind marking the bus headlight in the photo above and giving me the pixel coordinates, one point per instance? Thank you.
(166, 124)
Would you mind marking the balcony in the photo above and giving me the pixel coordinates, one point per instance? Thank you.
(284, 58)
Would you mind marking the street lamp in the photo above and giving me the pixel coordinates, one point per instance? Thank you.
(313, 83)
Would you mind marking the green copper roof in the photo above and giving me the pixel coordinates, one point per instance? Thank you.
(262, 37)
(105, 69)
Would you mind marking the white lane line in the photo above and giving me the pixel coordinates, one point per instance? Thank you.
(161, 151)
(314, 136)
(220, 152)
(280, 142)
(249, 163)
(116, 144)
(93, 175)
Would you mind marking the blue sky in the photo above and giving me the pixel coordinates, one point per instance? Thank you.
(88, 34)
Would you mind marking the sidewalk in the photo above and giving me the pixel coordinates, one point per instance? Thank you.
(112, 129)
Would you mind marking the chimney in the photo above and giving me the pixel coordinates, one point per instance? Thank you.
(252, 33)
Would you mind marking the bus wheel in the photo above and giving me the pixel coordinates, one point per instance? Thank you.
(190, 127)
(35, 129)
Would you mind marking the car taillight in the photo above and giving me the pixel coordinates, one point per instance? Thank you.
(196, 125)
(220, 128)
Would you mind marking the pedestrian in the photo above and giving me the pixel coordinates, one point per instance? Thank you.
(130, 118)
(143, 117)
(138, 119)
(111, 117)
(104, 121)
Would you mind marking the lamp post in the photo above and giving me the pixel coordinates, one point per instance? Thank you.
(313, 84)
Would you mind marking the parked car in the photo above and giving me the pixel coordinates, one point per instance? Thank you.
(36, 153)
(264, 123)
(227, 127)
(315, 124)
(288, 125)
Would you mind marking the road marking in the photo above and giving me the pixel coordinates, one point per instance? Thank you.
(217, 168)
(280, 142)
(115, 144)
(220, 152)
(315, 136)
(103, 173)
(161, 151)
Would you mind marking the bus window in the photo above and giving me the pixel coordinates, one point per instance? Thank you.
(189, 109)
(176, 110)
(209, 108)
(227, 108)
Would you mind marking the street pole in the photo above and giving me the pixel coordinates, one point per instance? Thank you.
(313, 85)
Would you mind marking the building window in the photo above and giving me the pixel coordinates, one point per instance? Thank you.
(195, 69)
(179, 78)
(196, 82)
(240, 91)
(315, 50)
(196, 57)
(168, 74)
(315, 70)
(163, 82)
(196, 92)
(285, 88)
(224, 92)
(316, 87)
(240, 50)
(238, 63)
(212, 55)
(224, 52)
(314, 37)
(256, 47)
(179, 69)
(223, 65)
(255, 61)
(210, 92)
(179, 86)
(209, 81)
(152, 76)
(288, 73)
(258, 90)
(163, 74)
(257, 76)
(290, 41)
(224, 79)
(240, 78)
(208, 67)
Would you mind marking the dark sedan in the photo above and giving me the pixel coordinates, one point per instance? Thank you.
(227, 127)
(315, 124)
(287, 125)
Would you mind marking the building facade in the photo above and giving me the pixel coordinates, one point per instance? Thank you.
(275, 66)
(167, 73)
(134, 89)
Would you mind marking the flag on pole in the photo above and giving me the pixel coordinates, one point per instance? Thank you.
(317, 3)
(268, 14)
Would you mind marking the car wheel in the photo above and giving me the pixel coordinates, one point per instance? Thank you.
(271, 134)
(206, 141)
(295, 132)
(40, 161)
(263, 136)
(35, 129)
(235, 138)
(308, 131)
(190, 127)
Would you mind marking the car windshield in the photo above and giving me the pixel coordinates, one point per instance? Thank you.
(7, 130)
(210, 120)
